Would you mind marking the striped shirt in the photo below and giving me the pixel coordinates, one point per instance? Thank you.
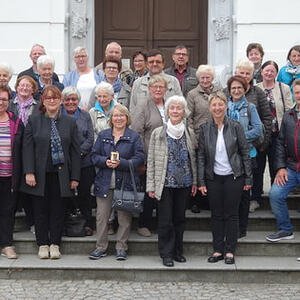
(5, 150)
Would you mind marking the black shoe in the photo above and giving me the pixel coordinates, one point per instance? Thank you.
(242, 234)
(168, 262)
(229, 260)
(180, 258)
(214, 259)
(195, 209)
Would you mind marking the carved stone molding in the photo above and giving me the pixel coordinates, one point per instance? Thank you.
(78, 25)
(222, 28)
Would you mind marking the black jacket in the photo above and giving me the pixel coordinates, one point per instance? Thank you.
(36, 147)
(288, 142)
(236, 147)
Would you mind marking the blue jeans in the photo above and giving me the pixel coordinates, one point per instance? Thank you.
(278, 195)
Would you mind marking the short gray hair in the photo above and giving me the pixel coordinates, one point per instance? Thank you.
(44, 60)
(104, 86)
(178, 99)
(244, 63)
(206, 69)
(79, 49)
(158, 78)
(70, 90)
(38, 45)
(115, 44)
(6, 67)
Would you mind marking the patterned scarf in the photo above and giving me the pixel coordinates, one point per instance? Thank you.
(234, 108)
(24, 112)
(293, 70)
(117, 85)
(57, 152)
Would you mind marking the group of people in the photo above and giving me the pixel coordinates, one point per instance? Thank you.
(186, 138)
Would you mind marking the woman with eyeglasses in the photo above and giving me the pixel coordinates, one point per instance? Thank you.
(51, 168)
(84, 78)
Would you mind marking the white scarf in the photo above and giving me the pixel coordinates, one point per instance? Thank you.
(175, 131)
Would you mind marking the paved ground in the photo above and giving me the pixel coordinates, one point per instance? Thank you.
(98, 289)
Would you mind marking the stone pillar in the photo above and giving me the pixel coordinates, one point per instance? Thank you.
(220, 38)
(80, 29)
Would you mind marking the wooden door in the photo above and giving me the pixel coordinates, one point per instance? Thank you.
(147, 24)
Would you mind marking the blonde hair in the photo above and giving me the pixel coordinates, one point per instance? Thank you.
(245, 63)
(219, 94)
(206, 69)
(123, 110)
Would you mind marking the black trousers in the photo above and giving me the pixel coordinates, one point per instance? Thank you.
(224, 195)
(49, 212)
(171, 221)
(7, 210)
(84, 198)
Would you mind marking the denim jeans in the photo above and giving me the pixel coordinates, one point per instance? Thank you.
(278, 195)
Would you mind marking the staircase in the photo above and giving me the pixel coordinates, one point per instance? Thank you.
(257, 261)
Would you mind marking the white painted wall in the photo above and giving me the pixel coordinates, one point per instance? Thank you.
(24, 23)
(273, 23)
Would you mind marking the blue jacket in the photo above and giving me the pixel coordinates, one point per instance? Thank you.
(287, 78)
(129, 147)
(251, 124)
(71, 78)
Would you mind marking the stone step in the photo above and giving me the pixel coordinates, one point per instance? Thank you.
(254, 269)
(259, 220)
(293, 201)
(195, 243)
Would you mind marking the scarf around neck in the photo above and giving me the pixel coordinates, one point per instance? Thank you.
(294, 70)
(233, 110)
(98, 107)
(175, 131)
(23, 109)
(57, 152)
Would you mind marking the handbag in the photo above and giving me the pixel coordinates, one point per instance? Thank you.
(131, 201)
(75, 223)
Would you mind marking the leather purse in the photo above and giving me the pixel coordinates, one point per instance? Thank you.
(131, 201)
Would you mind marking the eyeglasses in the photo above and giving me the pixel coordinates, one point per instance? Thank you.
(111, 68)
(180, 54)
(139, 61)
(151, 62)
(4, 99)
(80, 56)
(73, 99)
(157, 87)
(53, 98)
(118, 116)
(27, 86)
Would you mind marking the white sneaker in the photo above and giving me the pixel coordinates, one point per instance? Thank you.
(43, 252)
(54, 252)
(298, 258)
(253, 206)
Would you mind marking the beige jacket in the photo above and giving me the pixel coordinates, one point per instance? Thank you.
(99, 121)
(158, 159)
(197, 102)
(288, 102)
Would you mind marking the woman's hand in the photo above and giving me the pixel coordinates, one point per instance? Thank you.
(112, 163)
(30, 179)
(247, 187)
(203, 190)
(73, 184)
(151, 194)
(194, 190)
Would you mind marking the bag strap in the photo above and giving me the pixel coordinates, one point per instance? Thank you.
(133, 180)
(282, 98)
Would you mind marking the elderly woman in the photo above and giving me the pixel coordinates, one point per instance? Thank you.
(11, 130)
(139, 60)
(197, 102)
(119, 138)
(51, 164)
(101, 111)
(291, 71)
(45, 67)
(224, 171)
(171, 177)
(149, 114)
(5, 76)
(71, 98)
(255, 95)
(280, 100)
(255, 53)
(83, 77)
(111, 68)
(245, 113)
